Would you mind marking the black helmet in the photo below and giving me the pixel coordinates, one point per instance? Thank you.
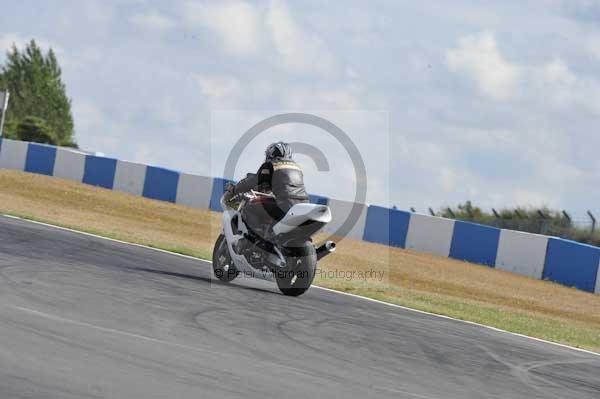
(278, 150)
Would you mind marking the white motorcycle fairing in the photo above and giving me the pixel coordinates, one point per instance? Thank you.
(239, 260)
(302, 213)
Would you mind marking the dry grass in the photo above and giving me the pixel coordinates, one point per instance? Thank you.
(421, 281)
(114, 213)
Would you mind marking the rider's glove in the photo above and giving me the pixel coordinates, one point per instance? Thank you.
(229, 189)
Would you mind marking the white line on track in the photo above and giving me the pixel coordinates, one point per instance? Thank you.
(108, 330)
(146, 338)
(321, 288)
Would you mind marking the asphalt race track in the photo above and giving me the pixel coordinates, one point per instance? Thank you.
(83, 317)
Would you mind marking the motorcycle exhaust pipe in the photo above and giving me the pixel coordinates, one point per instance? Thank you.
(325, 249)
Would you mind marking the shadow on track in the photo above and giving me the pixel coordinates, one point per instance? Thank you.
(200, 278)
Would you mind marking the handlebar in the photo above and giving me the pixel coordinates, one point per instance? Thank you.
(247, 195)
(253, 194)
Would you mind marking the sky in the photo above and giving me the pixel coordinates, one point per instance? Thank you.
(494, 102)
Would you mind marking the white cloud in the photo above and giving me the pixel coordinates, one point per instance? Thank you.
(91, 20)
(236, 24)
(87, 115)
(351, 73)
(221, 91)
(100, 12)
(245, 29)
(556, 84)
(326, 99)
(152, 21)
(557, 71)
(166, 110)
(478, 56)
(448, 179)
(592, 46)
(560, 87)
(299, 50)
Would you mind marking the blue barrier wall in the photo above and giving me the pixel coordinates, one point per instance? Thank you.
(386, 226)
(318, 199)
(572, 264)
(475, 243)
(40, 159)
(99, 171)
(161, 184)
(218, 188)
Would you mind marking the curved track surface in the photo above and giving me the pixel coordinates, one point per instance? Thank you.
(82, 317)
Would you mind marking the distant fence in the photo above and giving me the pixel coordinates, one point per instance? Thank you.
(538, 221)
(537, 256)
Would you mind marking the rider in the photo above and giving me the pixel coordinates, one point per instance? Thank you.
(280, 175)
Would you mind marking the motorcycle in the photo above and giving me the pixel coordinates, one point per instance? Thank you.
(268, 249)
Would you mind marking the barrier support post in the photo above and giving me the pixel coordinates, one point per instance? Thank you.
(593, 222)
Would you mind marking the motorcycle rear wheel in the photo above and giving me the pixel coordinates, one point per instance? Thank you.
(223, 266)
(299, 272)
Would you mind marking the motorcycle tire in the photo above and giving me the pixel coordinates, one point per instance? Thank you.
(299, 272)
(223, 266)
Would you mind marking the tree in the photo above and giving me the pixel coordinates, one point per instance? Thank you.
(34, 80)
(35, 129)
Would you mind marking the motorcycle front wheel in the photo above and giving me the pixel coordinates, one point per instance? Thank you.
(298, 275)
(223, 266)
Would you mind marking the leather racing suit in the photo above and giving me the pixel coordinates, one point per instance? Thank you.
(283, 178)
